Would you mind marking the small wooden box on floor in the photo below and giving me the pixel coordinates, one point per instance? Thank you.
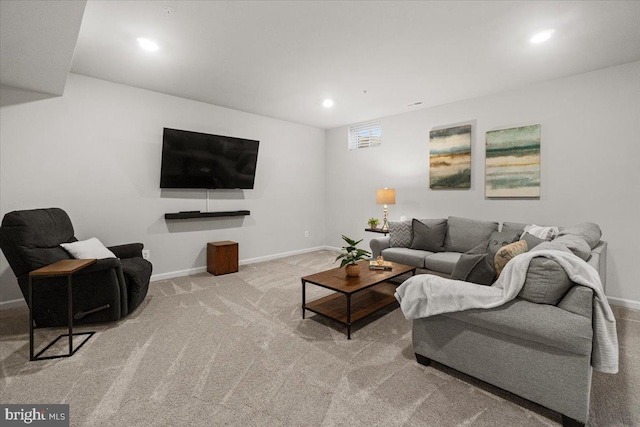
(222, 257)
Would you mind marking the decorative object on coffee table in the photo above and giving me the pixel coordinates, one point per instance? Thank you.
(385, 196)
(373, 223)
(351, 255)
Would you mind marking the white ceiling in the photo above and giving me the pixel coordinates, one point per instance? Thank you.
(37, 39)
(281, 59)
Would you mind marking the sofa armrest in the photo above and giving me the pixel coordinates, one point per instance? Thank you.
(377, 246)
(579, 300)
(130, 250)
(598, 261)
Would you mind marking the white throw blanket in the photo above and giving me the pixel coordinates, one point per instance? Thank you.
(427, 295)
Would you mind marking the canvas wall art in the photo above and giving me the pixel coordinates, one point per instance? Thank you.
(513, 162)
(450, 157)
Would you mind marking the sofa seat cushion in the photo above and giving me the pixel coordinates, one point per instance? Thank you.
(412, 257)
(443, 262)
(541, 323)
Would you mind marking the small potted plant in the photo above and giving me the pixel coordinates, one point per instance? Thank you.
(351, 255)
(373, 223)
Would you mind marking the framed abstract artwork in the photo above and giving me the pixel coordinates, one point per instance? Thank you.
(512, 159)
(450, 158)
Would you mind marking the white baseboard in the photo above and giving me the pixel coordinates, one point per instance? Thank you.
(624, 302)
(179, 273)
(20, 302)
(196, 270)
(5, 305)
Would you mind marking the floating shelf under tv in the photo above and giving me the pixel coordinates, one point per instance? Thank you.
(190, 215)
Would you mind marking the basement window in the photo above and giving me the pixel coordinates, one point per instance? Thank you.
(363, 135)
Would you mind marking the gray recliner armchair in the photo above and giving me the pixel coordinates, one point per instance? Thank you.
(105, 291)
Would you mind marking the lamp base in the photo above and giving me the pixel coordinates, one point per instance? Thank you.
(385, 223)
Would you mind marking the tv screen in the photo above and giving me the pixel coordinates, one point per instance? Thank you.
(200, 160)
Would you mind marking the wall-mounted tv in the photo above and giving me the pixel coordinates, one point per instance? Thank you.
(200, 160)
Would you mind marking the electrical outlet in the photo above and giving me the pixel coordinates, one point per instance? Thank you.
(146, 254)
(306, 233)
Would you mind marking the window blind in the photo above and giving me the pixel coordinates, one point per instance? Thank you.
(367, 134)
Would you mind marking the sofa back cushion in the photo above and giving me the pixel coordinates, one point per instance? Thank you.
(589, 231)
(514, 227)
(428, 234)
(400, 234)
(463, 234)
(546, 282)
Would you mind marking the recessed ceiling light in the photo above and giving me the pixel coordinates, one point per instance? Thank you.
(327, 103)
(542, 36)
(148, 45)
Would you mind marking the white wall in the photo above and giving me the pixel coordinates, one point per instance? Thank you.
(590, 165)
(95, 152)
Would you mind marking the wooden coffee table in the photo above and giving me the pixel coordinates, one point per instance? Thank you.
(366, 294)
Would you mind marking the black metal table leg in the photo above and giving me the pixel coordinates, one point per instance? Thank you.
(304, 302)
(348, 316)
(70, 314)
(30, 318)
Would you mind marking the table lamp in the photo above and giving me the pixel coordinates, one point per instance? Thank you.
(385, 196)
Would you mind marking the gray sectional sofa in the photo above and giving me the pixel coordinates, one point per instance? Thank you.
(538, 345)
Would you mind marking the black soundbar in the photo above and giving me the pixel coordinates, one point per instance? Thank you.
(198, 214)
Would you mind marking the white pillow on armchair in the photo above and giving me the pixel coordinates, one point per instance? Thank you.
(90, 248)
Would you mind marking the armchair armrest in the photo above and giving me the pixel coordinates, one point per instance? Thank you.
(130, 250)
(377, 245)
(101, 265)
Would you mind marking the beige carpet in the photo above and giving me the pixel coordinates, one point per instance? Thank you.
(233, 350)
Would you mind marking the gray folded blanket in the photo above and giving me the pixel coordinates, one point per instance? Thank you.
(427, 295)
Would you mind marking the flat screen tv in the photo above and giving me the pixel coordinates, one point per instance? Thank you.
(200, 160)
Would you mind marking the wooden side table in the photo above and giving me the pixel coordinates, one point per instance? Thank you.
(65, 267)
(222, 257)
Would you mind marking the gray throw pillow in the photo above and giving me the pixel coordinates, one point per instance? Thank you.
(499, 239)
(532, 241)
(474, 266)
(429, 237)
(400, 234)
(463, 234)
